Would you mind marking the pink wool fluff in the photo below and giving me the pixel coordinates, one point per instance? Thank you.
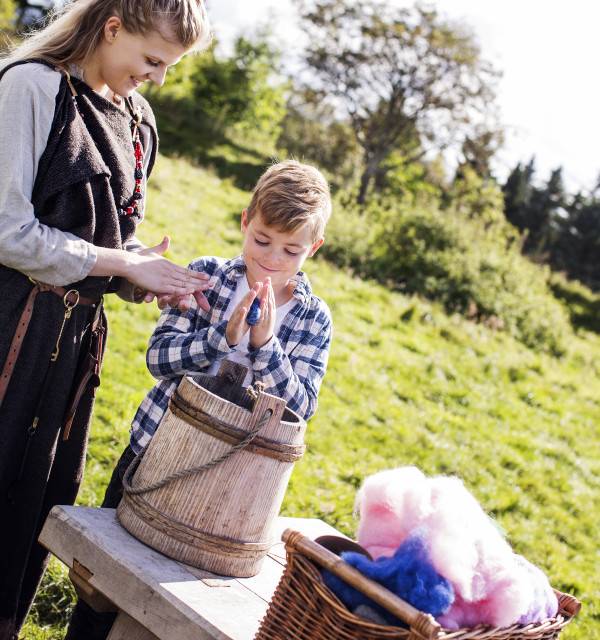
(493, 585)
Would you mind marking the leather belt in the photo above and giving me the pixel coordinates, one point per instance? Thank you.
(69, 296)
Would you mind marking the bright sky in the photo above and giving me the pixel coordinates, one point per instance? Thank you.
(547, 50)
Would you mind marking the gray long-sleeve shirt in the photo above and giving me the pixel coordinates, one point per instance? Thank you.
(27, 103)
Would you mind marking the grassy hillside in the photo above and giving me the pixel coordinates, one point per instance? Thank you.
(406, 384)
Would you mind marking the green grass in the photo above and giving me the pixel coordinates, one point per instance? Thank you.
(406, 384)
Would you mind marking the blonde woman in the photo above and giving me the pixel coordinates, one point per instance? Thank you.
(77, 144)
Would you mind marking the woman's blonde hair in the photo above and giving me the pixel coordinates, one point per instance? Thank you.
(289, 195)
(75, 30)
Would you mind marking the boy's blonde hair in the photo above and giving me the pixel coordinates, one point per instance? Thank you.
(76, 29)
(289, 195)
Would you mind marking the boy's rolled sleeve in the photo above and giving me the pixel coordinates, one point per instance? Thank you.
(177, 349)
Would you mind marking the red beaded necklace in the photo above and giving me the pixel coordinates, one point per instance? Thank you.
(136, 118)
(136, 115)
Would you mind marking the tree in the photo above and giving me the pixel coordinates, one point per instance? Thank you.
(8, 11)
(560, 230)
(400, 75)
(576, 250)
(28, 12)
(208, 100)
(518, 194)
(478, 149)
(311, 132)
(205, 96)
(538, 211)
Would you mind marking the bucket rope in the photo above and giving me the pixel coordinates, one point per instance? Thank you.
(129, 488)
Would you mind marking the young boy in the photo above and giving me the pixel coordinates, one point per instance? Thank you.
(288, 347)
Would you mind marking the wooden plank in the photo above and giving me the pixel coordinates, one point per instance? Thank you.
(159, 593)
(126, 628)
(151, 588)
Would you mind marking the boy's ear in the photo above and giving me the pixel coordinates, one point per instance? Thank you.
(244, 223)
(314, 248)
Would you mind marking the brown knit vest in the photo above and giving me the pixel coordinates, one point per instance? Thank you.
(86, 173)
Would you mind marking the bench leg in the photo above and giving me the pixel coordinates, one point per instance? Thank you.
(79, 576)
(126, 628)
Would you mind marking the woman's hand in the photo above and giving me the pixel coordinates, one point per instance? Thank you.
(156, 276)
(183, 303)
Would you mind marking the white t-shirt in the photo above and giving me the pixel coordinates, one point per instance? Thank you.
(240, 353)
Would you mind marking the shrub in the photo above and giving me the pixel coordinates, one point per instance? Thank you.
(473, 266)
(207, 100)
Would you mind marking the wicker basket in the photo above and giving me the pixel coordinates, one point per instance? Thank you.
(303, 608)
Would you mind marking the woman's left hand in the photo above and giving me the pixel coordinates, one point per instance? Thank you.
(152, 274)
(191, 287)
(182, 302)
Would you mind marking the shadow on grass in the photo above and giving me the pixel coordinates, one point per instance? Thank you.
(583, 305)
(241, 164)
(243, 173)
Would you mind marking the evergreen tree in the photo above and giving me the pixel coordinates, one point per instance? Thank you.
(559, 230)
(577, 249)
(518, 195)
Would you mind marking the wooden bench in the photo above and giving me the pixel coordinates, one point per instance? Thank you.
(157, 597)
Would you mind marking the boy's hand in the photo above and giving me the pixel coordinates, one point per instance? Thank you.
(262, 331)
(237, 325)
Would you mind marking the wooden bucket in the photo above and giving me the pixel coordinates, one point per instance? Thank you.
(208, 487)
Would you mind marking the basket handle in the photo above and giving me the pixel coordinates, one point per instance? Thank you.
(422, 624)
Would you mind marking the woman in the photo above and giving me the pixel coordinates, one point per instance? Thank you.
(73, 167)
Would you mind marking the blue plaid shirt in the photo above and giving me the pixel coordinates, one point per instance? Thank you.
(291, 365)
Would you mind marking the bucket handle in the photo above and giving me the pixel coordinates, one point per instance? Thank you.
(129, 488)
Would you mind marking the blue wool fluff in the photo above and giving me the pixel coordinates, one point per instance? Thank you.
(408, 573)
(253, 312)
